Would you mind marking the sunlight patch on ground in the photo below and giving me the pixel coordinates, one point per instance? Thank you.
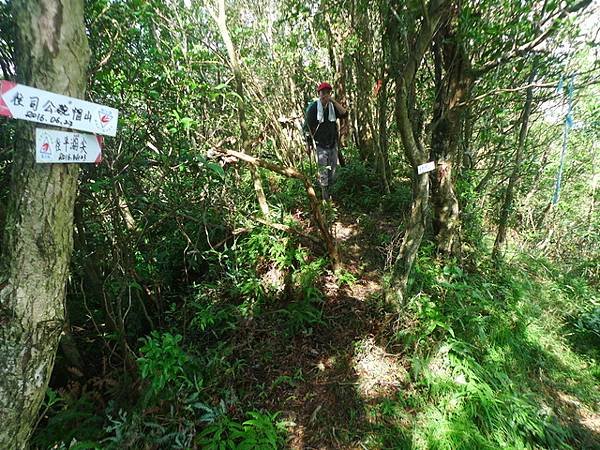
(439, 365)
(344, 232)
(583, 415)
(364, 288)
(379, 373)
(274, 278)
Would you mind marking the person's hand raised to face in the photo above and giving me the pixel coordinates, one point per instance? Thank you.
(325, 96)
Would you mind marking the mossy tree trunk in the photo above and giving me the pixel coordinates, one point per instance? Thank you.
(52, 54)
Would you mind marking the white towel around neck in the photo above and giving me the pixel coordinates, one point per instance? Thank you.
(330, 114)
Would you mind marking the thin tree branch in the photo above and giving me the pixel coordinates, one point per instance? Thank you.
(291, 172)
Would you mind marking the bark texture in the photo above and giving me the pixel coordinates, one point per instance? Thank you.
(453, 83)
(52, 54)
(409, 126)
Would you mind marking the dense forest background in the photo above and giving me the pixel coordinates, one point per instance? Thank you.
(214, 302)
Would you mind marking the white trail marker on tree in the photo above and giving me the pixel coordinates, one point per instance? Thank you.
(54, 146)
(427, 167)
(35, 105)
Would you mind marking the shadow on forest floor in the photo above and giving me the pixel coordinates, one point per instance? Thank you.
(322, 378)
(340, 383)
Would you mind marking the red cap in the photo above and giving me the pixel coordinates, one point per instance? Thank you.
(324, 85)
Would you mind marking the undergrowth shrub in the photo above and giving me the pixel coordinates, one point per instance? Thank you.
(186, 397)
(288, 193)
(260, 431)
(357, 186)
(73, 423)
(188, 375)
(472, 215)
(589, 321)
(256, 264)
(305, 309)
(398, 200)
(208, 311)
(162, 362)
(481, 341)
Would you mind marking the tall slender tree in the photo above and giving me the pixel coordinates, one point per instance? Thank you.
(414, 150)
(515, 173)
(220, 17)
(453, 81)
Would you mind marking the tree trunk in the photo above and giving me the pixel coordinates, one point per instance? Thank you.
(514, 176)
(364, 117)
(453, 83)
(446, 222)
(590, 214)
(382, 99)
(415, 228)
(414, 150)
(52, 54)
(220, 19)
(336, 61)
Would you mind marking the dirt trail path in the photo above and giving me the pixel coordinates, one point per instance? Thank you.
(330, 379)
(323, 378)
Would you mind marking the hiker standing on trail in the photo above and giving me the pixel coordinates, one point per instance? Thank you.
(322, 133)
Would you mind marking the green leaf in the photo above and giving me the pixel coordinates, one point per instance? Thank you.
(216, 168)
